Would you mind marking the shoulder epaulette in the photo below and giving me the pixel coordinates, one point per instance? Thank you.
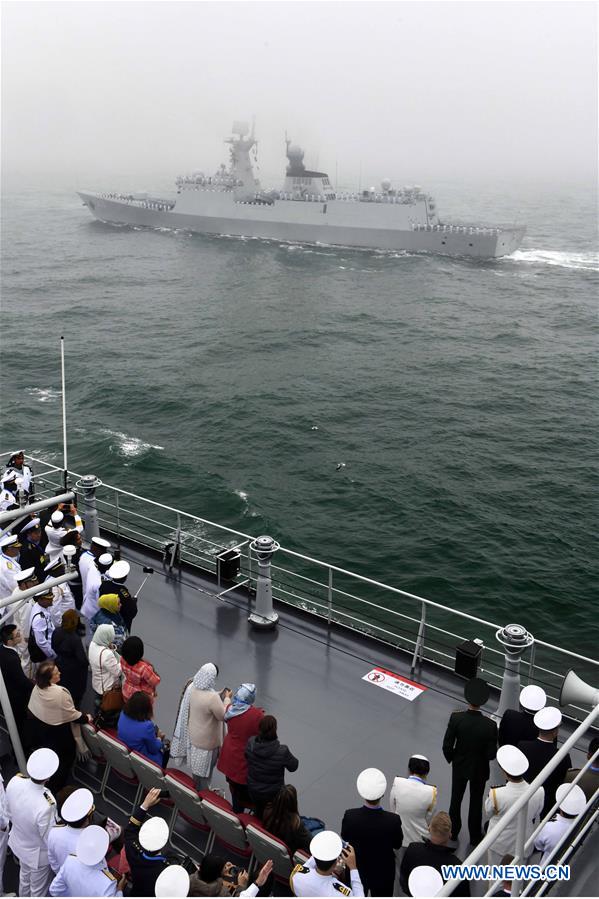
(133, 820)
(24, 776)
(299, 869)
(341, 888)
(494, 796)
(108, 873)
(49, 799)
(60, 824)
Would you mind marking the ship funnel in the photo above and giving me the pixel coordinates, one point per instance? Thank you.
(576, 692)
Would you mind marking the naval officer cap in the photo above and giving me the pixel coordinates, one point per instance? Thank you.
(424, 880)
(77, 806)
(9, 540)
(173, 881)
(371, 784)
(42, 764)
(326, 846)
(30, 526)
(477, 691)
(533, 698)
(512, 760)
(56, 517)
(571, 799)
(9, 476)
(548, 718)
(105, 560)
(153, 834)
(119, 570)
(100, 541)
(25, 575)
(92, 845)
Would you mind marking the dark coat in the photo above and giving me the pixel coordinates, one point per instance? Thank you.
(18, 685)
(374, 834)
(539, 753)
(470, 743)
(32, 555)
(232, 761)
(72, 663)
(267, 761)
(145, 866)
(516, 726)
(427, 853)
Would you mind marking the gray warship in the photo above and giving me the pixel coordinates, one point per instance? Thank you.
(306, 210)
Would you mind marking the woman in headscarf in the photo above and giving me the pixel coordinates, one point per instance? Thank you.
(104, 661)
(242, 719)
(200, 723)
(109, 612)
(70, 656)
(53, 721)
(138, 673)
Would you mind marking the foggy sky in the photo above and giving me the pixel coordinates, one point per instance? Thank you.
(408, 90)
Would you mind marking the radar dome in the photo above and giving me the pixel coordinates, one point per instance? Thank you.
(295, 152)
(386, 184)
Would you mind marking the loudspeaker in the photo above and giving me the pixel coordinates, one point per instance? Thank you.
(575, 690)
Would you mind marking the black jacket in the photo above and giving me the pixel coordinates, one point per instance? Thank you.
(374, 834)
(18, 685)
(539, 753)
(267, 761)
(427, 853)
(145, 866)
(470, 743)
(71, 661)
(516, 726)
(32, 555)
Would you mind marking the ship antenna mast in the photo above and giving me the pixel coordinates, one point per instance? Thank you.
(64, 415)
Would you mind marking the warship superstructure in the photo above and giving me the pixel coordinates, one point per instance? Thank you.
(307, 209)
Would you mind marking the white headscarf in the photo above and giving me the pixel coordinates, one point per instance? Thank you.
(104, 635)
(204, 679)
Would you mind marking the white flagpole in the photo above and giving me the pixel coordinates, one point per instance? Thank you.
(64, 413)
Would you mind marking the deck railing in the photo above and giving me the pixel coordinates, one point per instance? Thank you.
(426, 630)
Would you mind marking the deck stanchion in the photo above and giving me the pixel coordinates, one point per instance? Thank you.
(520, 839)
(515, 639)
(419, 647)
(264, 615)
(88, 485)
(330, 595)
(11, 724)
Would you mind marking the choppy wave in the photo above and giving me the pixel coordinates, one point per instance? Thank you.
(44, 394)
(130, 447)
(580, 261)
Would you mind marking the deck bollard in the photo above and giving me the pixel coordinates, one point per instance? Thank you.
(88, 485)
(515, 639)
(264, 615)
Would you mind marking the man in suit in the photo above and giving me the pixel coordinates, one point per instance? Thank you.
(18, 686)
(519, 725)
(539, 753)
(434, 852)
(374, 833)
(469, 744)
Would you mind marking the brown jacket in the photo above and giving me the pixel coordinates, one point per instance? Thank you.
(206, 717)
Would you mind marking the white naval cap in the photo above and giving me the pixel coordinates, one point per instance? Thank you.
(423, 758)
(326, 846)
(99, 541)
(173, 881)
(119, 570)
(92, 845)
(571, 799)
(512, 760)
(57, 517)
(42, 764)
(533, 698)
(34, 523)
(424, 881)
(153, 834)
(548, 718)
(25, 575)
(105, 559)
(371, 784)
(77, 805)
(8, 476)
(9, 540)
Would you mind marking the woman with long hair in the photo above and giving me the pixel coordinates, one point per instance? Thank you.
(282, 819)
(242, 719)
(199, 729)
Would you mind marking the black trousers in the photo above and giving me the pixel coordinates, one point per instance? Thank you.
(378, 884)
(459, 782)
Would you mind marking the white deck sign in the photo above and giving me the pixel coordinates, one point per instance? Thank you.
(395, 683)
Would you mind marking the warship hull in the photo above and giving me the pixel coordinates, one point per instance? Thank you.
(334, 223)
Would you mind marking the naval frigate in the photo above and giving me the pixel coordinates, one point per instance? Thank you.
(306, 210)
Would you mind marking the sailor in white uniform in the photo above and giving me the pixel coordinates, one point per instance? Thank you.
(571, 801)
(414, 800)
(32, 811)
(63, 597)
(76, 813)
(8, 492)
(42, 623)
(93, 581)
(4, 832)
(86, 873)
(56, 530)
(87, 560)
(9, 564)
(317, 877)
(17, 464)
(500, 800)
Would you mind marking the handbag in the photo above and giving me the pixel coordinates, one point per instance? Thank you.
(112, 699)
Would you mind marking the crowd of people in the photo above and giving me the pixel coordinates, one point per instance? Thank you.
(51, 642)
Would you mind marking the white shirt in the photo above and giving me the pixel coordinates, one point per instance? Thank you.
(55, 535)
(499, 800)
(551, 834)
(414, 801)
(63, 600)
(7, 499)
(24, 473)
(32, 811)
(62, 842)
(87, 561)
(77, 879)
(91, 591)
(306, 881)
(42, 625)
(4, 817)
(9, 569)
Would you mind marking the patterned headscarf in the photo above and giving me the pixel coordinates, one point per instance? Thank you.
(204, 679)
(243, 699)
